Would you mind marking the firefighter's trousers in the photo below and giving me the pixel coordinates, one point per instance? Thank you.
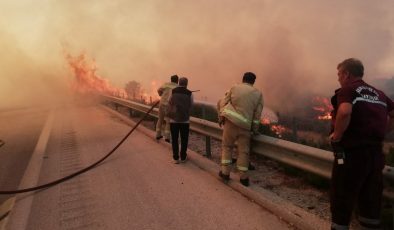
(358, 181)
(232, 134)
(163, 123)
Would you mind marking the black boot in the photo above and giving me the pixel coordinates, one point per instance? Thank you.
(244, 182)
(224, 177)
(251, 167)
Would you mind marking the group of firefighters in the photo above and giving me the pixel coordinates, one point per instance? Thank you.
(362, 115)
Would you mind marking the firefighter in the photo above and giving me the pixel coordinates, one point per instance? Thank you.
(240, 112)
(234, 157)
(361, 117)
(165, 92)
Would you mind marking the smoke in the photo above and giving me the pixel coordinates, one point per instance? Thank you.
(25, 81)
(292, 46)
(387, 85)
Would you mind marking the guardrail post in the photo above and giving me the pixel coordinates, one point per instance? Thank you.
(155, 123)
(116, 106)
(208, 147)
(130, 113)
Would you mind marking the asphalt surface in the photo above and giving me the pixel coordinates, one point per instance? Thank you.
(136, 188)
(19, 129)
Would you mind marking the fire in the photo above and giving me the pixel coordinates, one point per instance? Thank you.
(151, 96)
(154, 85)
(323, 106)
(87, 80)
(269, 118)
(277, 129)
(265, 121)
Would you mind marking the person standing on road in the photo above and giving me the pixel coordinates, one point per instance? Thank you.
(165, 92)
(219, 106)
(180, 104)
(361, 117)
(239, 114)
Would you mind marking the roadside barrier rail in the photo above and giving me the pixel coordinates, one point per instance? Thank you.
(306, 158)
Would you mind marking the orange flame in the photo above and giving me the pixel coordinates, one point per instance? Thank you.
(87, 80)
(277, 129)
(265, 121)
(153, 90)
(323, 106)
(151, 96)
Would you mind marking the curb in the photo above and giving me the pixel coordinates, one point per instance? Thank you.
(293, 215)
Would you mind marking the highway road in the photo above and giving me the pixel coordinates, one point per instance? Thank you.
(136, 188)
(20, 130)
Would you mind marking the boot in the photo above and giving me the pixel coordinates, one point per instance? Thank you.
(244, 182)
(224, 177)
(251, 167)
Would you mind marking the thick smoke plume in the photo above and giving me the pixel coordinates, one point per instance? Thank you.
(292, 46)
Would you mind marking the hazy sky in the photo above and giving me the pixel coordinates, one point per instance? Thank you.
(292, 46)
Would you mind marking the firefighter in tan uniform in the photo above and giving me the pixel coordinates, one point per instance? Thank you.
(239, 114)
(165, 92)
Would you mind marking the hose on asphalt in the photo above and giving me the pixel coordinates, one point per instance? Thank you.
(58, 181)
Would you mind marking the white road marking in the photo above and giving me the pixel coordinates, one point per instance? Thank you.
(19, 215)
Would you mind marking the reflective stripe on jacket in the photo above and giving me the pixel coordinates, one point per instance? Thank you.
(165, 92)
(243, 105)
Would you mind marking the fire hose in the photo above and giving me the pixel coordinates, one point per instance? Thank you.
(58, 181)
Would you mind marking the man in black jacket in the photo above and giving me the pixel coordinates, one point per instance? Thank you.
(180, 103)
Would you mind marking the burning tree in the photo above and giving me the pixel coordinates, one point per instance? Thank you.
(133, 89)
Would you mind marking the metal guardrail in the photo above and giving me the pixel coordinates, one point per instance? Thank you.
(306, 158)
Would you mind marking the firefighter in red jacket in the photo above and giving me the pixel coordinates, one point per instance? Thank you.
(362, 116)
(240, 113)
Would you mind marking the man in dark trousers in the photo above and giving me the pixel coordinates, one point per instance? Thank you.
(361, 118)
(180, 104)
